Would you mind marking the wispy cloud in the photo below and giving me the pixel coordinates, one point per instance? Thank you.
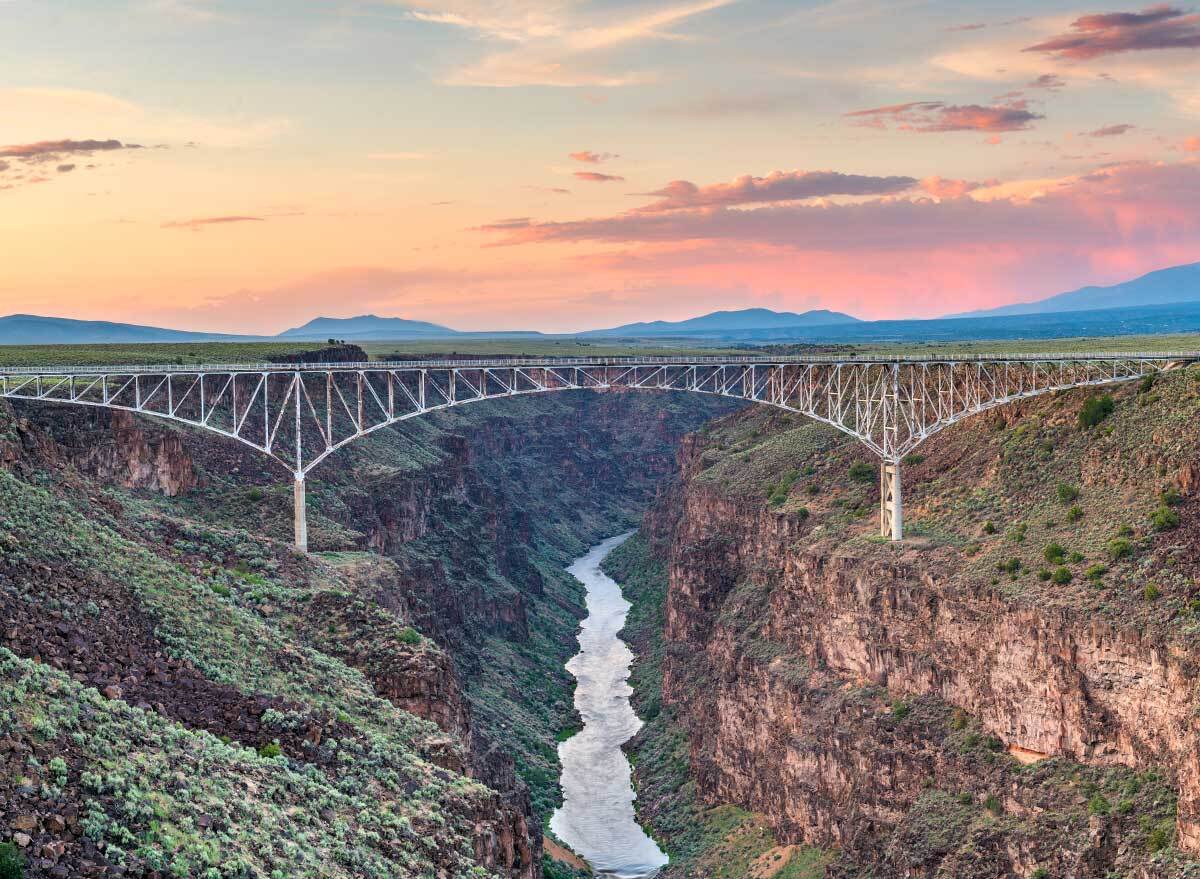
(981, 25)
(1109, 33)
(397, 157)
(592, 158)
(938, 116)
(1109, 130)
(51, 150)
(198, 223)
(1050, 81)
(597, 177)
(556, 43)
(779, 186)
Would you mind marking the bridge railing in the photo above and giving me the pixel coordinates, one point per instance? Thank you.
(499, 363)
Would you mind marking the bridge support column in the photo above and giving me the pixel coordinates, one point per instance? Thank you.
(301, 514)
(891, 505)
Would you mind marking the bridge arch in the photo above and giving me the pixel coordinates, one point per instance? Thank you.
(300, 414)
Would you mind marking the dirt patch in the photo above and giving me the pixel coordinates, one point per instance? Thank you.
(563, 855)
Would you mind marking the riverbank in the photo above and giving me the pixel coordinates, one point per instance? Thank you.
(597, 817)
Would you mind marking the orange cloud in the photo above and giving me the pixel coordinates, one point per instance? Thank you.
(200, 222)
(943, 187)
(591, 157)
(1192, 145)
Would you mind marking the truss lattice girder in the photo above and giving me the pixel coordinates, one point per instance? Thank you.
(299, 415)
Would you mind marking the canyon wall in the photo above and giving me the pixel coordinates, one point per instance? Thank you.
(859, 694)
(447, 592)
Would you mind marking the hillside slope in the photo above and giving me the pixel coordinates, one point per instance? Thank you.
(188, 695)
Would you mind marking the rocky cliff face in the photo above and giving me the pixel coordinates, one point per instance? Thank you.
(862, 695)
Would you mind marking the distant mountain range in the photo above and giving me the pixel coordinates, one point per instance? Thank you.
(1164, 287)
(31, 329)
(367, 326)
(1159, 302)
(746, 323)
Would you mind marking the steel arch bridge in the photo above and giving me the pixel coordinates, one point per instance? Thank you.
(300, 414)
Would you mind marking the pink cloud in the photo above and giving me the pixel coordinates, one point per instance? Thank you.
(1110, 131)
(1192, 145)
(1138, 204)
(597, 177)
(1092, 36)
(937, 116)
(591, 157)
(775, 187)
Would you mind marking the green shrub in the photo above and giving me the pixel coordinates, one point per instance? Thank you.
(410, 636)
(1096, 572)
(1164, 519)
(1067, 493)
(913, 459)
(778, 494)
(1044, 574)
(1158, 839)
(1095, 410)
(1075, 557)
(900, 710)
(1017, 534)
(860, 472)
(12, 862)
(989, 527)
(1040, 873)
(992, 804)
(1012, 566)
(1061, 576)
(1151, 592)
(1055, 553)
(1119, 548)
(1098, 805)
(269, 750)
(1075, 513)
(1170, 498)
(1146, 384)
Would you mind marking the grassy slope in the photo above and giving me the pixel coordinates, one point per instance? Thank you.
(143, 781)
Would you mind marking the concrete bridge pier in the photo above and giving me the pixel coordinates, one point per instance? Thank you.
(301, 514)
(891, 504)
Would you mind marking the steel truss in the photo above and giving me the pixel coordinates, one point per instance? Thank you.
(300, 414)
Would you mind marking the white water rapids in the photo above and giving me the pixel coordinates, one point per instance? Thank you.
(596, 818)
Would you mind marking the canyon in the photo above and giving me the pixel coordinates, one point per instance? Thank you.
(1005, 693)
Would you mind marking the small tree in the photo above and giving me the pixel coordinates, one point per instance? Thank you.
(861, 472)
(1055, 553)
(1067, 493)
(1095, 410)
(12, 862)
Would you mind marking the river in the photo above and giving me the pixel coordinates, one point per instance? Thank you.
(596, 818)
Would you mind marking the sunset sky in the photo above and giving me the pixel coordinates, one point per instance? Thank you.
(531, 164)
